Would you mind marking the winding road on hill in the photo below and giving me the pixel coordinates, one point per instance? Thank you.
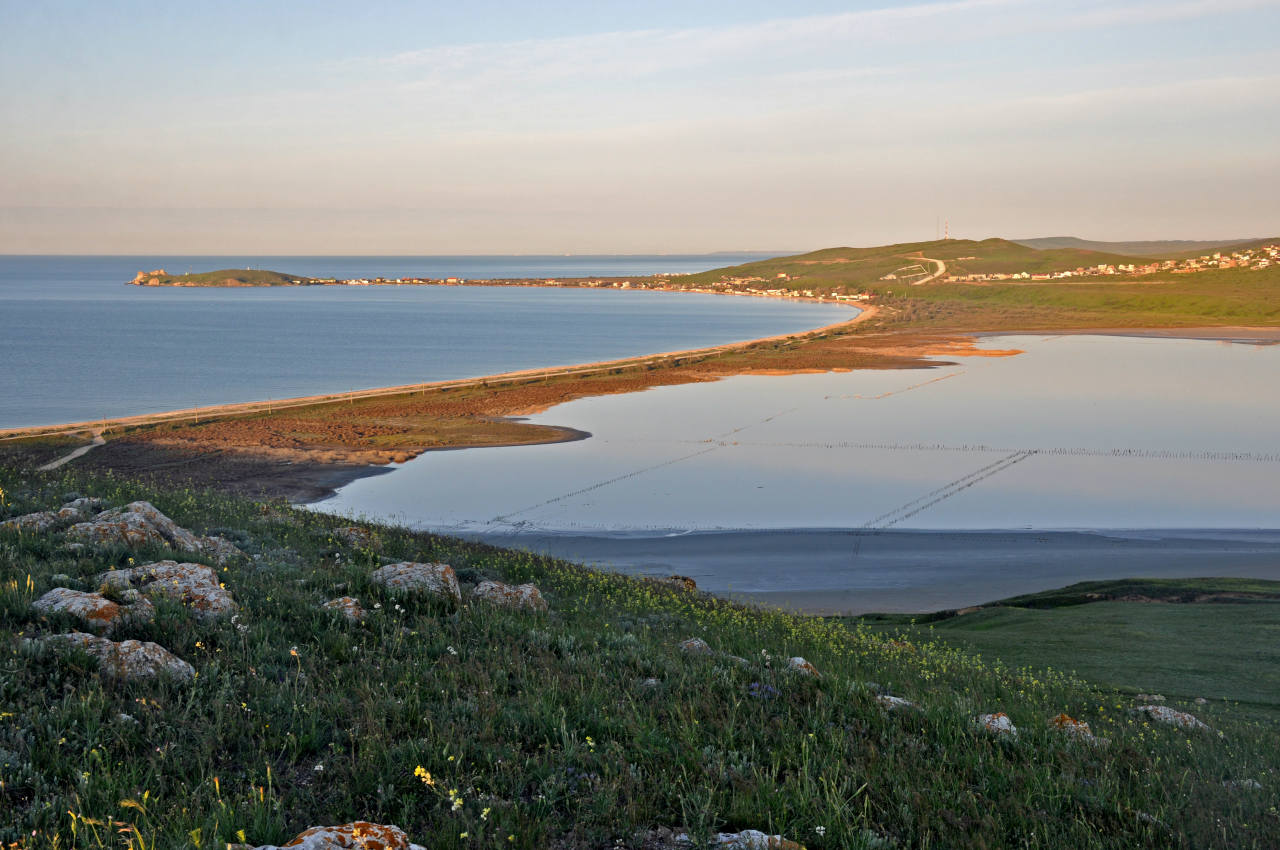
(942, 269)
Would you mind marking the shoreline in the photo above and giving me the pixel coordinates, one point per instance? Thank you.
(842, 572)
(232, 409)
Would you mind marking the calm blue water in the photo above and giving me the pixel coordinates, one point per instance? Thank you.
(77, 344)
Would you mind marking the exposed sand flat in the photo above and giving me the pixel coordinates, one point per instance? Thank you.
(850, 572)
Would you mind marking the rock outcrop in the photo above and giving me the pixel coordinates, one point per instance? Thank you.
(411, 577)
(510, 596)
(799, 665)
(360, 835)
(1173, 717)
(194, 585)
(696, 646)
(347, 606)
(1077, 729)
(998, 724)
(96, 611)
(129, 659)
(140, 524)
(748, 839)
(354, 535)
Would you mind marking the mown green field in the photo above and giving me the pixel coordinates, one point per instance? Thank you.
(540, 730)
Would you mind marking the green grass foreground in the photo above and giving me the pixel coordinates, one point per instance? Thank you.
(538, 730)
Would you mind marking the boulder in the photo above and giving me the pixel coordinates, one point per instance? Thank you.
(892, 703)
(998, 724)
(140, 524)
(1149, 698)
(129, 659)
(80, 509)
(1077, 729)
(1172, 717)
(354, 535)
(696, 646)
(347, 607)
(748, 839)
(799, 665)
(96, 611)
(194, 585)
(360, 835)
(510, 596)
(408, 576)
(35, 523)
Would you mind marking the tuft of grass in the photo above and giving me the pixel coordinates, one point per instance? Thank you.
(539, 730)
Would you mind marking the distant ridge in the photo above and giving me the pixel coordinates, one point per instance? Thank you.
(1162, 248)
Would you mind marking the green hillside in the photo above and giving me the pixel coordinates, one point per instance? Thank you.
(224, 277)
(851, 269)
(1154, 248)
(582, 727)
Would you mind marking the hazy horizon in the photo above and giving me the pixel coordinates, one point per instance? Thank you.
(572, 127)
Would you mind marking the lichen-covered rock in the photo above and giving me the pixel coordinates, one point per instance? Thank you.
(799, 665)
(998, 724)
(408, 576)
(510, 596)
(696, 646)
(1077, 729)
(80, 509)
(347, 607)
(360, 835)
(35, 523)
(354, 535)
(748, 839)
(194, 585)
(128, 659)
(96, 611)
(1173, 717)
(140, 524)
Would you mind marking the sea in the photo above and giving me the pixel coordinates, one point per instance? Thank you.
(78, 344)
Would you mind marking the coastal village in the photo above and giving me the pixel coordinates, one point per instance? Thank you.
(1250, 258)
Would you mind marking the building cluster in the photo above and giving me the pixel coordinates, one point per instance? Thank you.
(1249, 258)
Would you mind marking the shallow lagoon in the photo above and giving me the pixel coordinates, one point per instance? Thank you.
(77, 344)
(1078, 432)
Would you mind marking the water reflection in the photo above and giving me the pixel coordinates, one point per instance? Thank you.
(1078, 432)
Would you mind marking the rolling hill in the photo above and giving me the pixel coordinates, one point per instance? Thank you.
(1159, 248)
(841, 269)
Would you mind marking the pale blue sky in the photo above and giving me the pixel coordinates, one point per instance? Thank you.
(488, 127)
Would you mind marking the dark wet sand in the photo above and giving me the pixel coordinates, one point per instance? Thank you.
(848, 572)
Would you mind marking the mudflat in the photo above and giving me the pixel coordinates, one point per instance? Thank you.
(852, 572)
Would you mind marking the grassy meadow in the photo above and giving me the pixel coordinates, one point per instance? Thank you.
(1213, 638)
(544, 730)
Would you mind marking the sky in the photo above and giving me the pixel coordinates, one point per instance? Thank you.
(584, 126)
